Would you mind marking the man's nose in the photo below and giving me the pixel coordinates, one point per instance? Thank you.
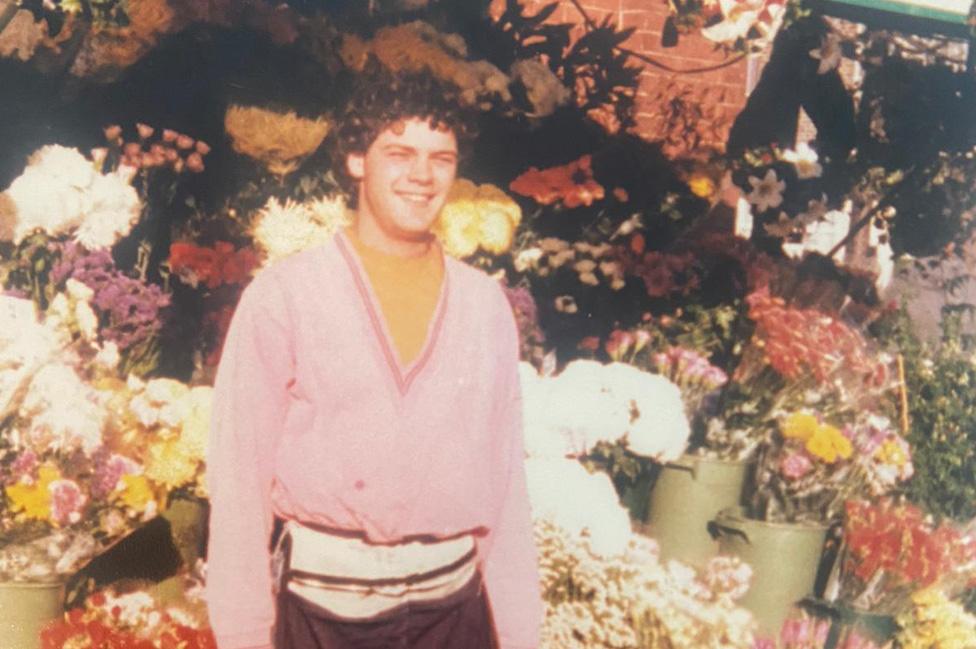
(420, 169)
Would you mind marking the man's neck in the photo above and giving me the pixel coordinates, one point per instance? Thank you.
(376, 239)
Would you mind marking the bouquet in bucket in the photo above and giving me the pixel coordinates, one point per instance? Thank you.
(800, 360)
(893, 550)
(809, 467)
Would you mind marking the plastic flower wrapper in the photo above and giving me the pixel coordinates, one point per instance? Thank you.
(136, 617)
(810, 467)
(631, 599)
(62, 193)
(804, 631)
(64, 496)
(798, 359)
(892, 550)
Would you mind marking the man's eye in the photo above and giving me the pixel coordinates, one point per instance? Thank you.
(398, 155)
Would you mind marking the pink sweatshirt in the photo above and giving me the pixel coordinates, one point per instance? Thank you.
(315, 420)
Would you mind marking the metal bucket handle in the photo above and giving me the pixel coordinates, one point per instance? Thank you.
(716, 529)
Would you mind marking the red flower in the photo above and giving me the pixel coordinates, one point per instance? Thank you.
(572, 183)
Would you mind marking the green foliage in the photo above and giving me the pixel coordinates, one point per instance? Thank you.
(940, 380)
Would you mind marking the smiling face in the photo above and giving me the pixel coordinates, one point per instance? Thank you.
(403, 181)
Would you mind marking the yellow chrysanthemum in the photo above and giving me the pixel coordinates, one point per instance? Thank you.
(196, 426)
(169, 464)
(495, 231)
(137, 493)
(458, 229)
(801, 426)
(829, 444)
(494, 198)
(34, 500)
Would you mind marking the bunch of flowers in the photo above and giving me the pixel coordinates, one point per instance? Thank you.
(631, 600)
(892, 550)
(212, 267)
(590, 402)
(593, 263)
(809, 468)
(129, 312)
(664, 273)
(418, 46)
(134, 619)
(747, 26)
(279, 141)
(571, 184)
(176, 151)
(691, 372)
(62, 193)
(65, 493)
(282, 229)
(164, 424)
(477, 216)
(935, 621)
(109, 49)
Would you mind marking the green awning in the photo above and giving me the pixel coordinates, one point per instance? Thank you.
(945, 16)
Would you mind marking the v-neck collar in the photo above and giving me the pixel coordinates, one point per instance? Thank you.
(403, 375)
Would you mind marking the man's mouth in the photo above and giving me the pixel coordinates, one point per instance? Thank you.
(416, 199)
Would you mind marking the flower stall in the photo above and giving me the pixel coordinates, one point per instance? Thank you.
(744, 426)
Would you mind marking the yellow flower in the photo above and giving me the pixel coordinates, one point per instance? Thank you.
(196, 426)
(137, 493)
(828, 443)
(496, 232)
(477, 215)
(34, 500)
(493, 198)
(801, 426)
(170, 464)
(354, 52)
(892, 453)
(702, 186)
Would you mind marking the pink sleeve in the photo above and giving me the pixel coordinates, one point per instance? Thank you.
(250, 399)
(509, 559)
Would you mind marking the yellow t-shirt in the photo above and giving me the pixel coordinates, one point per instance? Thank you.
(407, 289)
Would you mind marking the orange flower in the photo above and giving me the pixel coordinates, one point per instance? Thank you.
(572, 184)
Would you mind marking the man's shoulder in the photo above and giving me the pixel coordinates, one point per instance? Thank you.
(472, 279)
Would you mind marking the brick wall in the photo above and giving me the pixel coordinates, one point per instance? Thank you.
(719, 95)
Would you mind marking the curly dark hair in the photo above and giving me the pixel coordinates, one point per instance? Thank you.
(381, 98)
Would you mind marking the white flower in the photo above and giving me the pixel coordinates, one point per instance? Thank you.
(113, 208)
(527, 258)
(580, 502)
(108, 356)
(767, 192)
(63, 411)
(87, 320)
(816, 211)
(782, 227)
(79, 291)
(565, 304)
(739, 17)
(829, 54)
(281, 230)
(804, 159)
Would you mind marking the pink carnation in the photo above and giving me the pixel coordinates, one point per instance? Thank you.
(795, 466)
(67, 501)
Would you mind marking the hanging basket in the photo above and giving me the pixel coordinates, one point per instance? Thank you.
(784, 558)
(689, 492)
(25, 609)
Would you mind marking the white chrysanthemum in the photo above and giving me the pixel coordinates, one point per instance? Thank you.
(113, 208)
(108, 356)
(281, 230)
(60, 191)
(63, 411)
(583, 503)
(25, 345)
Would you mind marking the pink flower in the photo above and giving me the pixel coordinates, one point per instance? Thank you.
(24, 466)
(170, 135)
(202, 147)
(132, 149)
(641, 338)
(145, 131)
(113, 132)
(619, 344)
(184, 142)
(795, 466)
(194, 162)
(67, 501)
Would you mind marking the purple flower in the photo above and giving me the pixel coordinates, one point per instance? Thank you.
(130, 310)
(25, 465)
(67, 501)
(109, 469)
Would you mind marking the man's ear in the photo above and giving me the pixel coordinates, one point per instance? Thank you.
(355, 165)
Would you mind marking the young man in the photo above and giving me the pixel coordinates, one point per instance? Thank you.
(368, 397)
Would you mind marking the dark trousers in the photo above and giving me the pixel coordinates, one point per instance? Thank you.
(461, 620)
